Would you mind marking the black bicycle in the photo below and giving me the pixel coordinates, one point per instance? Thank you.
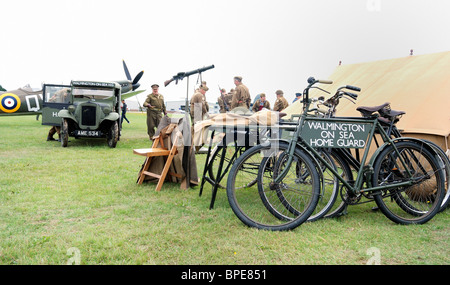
(402, 176)
(347, 161)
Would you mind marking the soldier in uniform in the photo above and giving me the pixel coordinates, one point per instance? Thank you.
(223, 101)
(229, 97)
(204, 96)
(241, 97)
(155, 107)
(60, 96)
(281, 103)
(199, 106)
(261, 103)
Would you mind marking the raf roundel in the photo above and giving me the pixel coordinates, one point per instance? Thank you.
(9, 103)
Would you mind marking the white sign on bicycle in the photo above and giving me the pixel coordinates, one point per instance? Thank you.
(335, 134)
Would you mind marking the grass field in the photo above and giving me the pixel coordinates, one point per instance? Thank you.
(81, 204)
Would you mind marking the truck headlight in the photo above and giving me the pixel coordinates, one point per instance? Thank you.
(106, 110)
(71, 109)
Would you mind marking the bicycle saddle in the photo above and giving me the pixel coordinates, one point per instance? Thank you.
(394, 113)
(391, 115)
(368, 111)
(387, 114)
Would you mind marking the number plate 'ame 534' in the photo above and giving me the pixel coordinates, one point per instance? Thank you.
(85, 133)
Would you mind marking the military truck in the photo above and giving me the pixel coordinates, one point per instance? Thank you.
(88, 109)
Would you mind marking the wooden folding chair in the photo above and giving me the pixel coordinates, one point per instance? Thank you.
(158, 150)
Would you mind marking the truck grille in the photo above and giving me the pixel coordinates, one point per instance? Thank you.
(88, 115)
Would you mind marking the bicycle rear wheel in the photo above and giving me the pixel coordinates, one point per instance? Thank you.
(415, 204)
(245, 199)
(444, 163)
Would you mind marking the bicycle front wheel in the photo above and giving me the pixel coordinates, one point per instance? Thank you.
(273, 165)
(301, 182)
(415, 204)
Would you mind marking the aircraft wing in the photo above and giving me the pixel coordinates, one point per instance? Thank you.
(131, 94)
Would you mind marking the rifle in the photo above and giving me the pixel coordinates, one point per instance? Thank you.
(224, 101)
(181, 75)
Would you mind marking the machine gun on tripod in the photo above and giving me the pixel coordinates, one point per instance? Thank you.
(182, 75)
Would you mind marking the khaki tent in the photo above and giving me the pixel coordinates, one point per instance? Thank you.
(418, 85)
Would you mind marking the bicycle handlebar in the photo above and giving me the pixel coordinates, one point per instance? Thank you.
(354, 88)
(313, 81)
(332, 102)
(353, 95)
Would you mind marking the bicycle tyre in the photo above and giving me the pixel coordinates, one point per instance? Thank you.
(445, 161)
(415, 204)
(246, 202)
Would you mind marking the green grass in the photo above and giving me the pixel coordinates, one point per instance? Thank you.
(85, 196)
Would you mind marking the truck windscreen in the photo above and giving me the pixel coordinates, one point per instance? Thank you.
(93, 93)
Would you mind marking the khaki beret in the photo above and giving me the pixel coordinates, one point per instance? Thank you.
(279, 92)
(238, 78)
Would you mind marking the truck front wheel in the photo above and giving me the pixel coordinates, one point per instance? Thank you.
(113, 135)
(64, 133)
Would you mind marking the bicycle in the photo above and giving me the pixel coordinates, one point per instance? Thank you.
(329, 185)
(388, 119)
(398, 166)
(239, 139)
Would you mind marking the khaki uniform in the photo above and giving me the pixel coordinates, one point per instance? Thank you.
(206, 103)
(222, 102)
(241, 97)
(60, 96)
(257, 106)
(199, 107)
(222, 108)
(280, 104)
(155, 107)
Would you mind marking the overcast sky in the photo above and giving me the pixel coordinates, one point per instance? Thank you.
(271, 44)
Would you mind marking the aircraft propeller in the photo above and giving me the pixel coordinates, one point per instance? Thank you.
(135, 81)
